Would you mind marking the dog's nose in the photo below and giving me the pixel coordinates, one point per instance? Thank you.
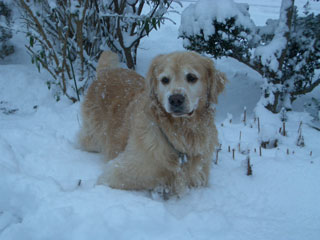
(176, 100)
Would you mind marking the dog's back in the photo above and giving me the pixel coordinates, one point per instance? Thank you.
(105, 108)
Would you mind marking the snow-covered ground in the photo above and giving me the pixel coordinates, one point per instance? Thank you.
(41, 167)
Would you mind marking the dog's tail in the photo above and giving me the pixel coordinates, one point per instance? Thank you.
(108, 60)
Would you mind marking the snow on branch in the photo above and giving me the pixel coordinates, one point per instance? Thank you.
(67, 37)
(285, 51)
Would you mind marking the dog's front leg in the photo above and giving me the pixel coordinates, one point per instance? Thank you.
(131, 170)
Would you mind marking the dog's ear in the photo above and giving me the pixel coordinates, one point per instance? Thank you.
(151, 79)
(216, 81)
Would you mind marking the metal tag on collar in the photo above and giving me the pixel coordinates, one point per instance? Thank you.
(183, 158)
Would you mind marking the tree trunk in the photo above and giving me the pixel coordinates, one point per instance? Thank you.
(129, 58)
(274, 106)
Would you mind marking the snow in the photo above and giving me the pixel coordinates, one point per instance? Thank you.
(48, 186)
(199, 16)
(269, 54)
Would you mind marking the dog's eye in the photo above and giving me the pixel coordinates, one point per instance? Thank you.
(191, 78)
(165, 80)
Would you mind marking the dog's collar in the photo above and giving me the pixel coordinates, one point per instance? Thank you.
(182, 157)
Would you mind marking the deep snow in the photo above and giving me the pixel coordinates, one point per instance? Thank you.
(40, 165)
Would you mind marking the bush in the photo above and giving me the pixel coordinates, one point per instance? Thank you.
(285, 52)
(5, 30)
(66, 37)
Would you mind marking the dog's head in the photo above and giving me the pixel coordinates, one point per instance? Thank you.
(184, 82)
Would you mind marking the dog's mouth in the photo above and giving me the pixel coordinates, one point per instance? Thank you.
(182, 113)
(178, 106)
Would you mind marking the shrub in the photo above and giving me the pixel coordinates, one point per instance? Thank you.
(285, 51)
(66, 37)
(5, 30)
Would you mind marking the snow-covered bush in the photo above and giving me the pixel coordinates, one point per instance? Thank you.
(220, 28)
(269, 139)
(64, 41)
(313, 108)
(5, 31)
(126, 22)
(285, 51)
(66, 37)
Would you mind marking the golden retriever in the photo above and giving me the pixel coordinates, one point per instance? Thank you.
(156, 134)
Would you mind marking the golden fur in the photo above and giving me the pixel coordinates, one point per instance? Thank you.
(124, 118)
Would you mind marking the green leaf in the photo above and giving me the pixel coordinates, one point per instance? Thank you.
(146, 27)
(154, 23)
(31, 41)
(42, 54)
(37, 63)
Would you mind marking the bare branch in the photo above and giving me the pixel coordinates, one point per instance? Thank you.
(307, 89)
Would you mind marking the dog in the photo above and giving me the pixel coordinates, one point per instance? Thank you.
(157, 133)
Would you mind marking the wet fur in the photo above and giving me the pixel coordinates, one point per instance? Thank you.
(122, 117)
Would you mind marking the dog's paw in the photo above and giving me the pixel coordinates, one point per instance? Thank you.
(112, 176)
(161, 192)
(103, 179)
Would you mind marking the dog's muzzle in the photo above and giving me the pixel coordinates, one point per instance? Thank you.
(177, 104)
